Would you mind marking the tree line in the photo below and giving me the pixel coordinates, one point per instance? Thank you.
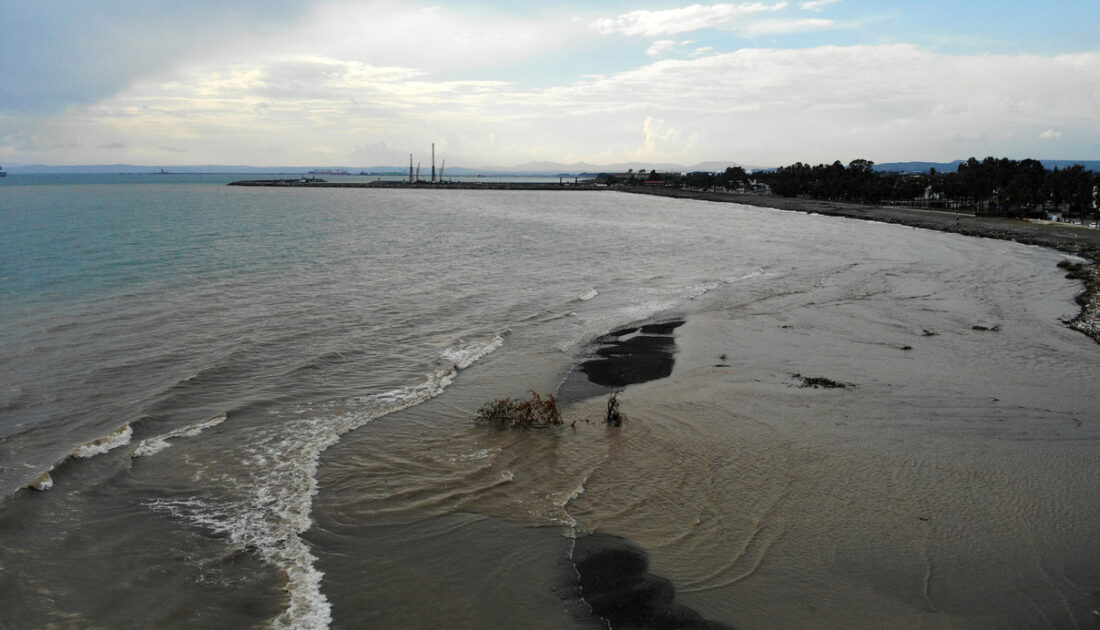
(993, 186)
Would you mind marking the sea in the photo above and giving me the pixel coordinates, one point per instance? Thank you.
(238, 407)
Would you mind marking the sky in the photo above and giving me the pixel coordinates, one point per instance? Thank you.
(501, 83)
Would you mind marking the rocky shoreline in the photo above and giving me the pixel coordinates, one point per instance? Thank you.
(1076, 240)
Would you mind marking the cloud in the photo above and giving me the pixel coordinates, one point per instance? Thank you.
(874, 101)
(661, 47)
(786, 27)
(56, 55)
(84, 52)
(691, 18)
(817, 5)
(758, 106)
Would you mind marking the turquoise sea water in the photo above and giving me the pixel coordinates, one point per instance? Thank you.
(252, 407)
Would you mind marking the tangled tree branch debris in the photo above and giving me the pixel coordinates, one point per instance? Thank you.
(521, 414)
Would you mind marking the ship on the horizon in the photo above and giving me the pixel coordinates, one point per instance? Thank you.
(3, 173)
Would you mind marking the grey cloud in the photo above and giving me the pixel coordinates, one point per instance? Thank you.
(60, 53)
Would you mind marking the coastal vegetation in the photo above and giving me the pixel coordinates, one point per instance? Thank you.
(1000, 187)
(990, 187)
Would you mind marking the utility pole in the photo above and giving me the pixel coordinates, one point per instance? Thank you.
(410, 168)
(433, 162)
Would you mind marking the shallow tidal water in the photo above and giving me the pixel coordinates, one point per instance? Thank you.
(254, 407)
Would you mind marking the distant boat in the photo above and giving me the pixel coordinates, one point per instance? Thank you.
(3, 173)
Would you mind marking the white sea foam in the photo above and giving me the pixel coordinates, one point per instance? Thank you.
(43, 483)
(588, 295)
(748, 276)
(156, 444)
(465, 354)
(278, 479)
(477, 455)
(119, 437)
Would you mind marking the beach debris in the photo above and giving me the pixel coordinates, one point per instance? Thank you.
(614, 416)
(821, 382)
(907, 347)
(521, 414)
(982, 327)
(1088, 320)
(929, 333)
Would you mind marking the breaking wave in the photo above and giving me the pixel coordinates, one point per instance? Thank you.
(275, 486)
(103, 444)
(119, 437)
(465, 354)
(156, 444)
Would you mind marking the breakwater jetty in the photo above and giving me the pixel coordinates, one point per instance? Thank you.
(319, 183)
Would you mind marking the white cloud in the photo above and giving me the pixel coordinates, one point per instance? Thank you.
(817, 5)
(786, 27)
(661, 47)
(682, 20)
(758, 106)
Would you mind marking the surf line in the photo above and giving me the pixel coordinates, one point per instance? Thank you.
(278, 481)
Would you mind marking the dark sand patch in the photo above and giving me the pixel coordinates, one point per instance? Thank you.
(614, 579)
(625, 356)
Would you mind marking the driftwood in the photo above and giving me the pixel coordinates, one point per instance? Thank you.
(614, 416)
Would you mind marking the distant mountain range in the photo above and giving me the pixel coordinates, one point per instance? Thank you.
(924, 167)
(530, 168)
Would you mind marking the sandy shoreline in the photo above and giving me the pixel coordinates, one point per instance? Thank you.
(934, 490)
(1075, 240)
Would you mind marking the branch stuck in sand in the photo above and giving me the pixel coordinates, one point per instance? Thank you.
(614, 416)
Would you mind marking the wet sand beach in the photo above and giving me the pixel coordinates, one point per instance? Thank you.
(930, 491)
(932, 483)
(1072, 239)
(1064, 237)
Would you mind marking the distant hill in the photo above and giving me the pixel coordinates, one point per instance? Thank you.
(941, 167)
(102, 169)
(530, 168)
